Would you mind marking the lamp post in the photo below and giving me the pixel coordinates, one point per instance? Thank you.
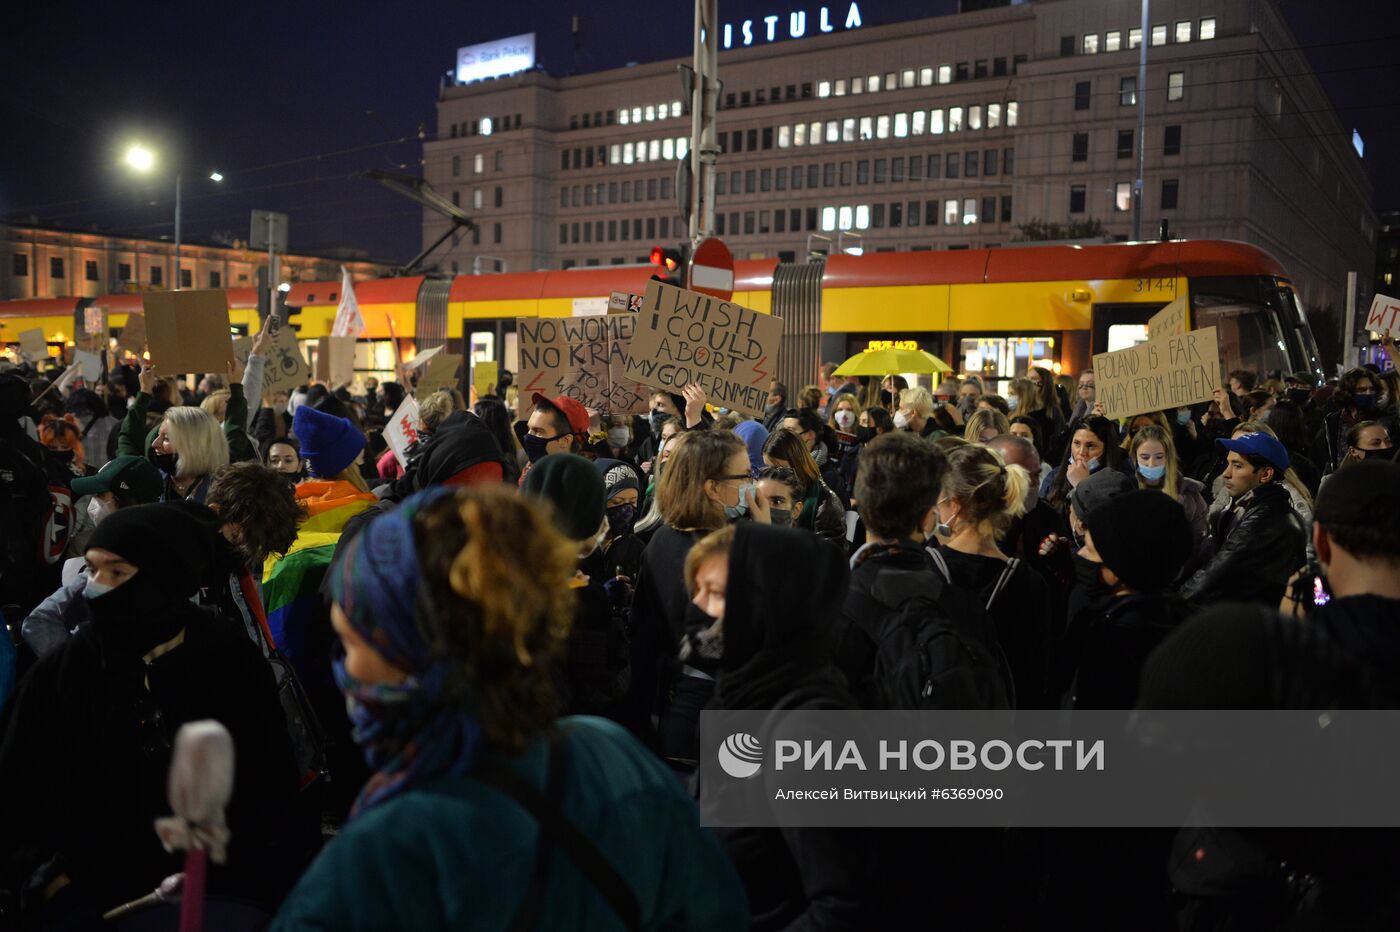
(143, 160)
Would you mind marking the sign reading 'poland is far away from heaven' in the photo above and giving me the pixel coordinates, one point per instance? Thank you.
(1160, 374)
(684, 336)
(580, 358)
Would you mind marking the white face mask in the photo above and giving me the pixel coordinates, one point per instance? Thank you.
(845, 419)
(619, 436)
(900, 421)
(97, 509)
(92, 588)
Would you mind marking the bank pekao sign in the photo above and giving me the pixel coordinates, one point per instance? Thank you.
(496, 58)
(766, 28)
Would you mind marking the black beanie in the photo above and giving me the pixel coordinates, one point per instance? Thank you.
(1143, 536)
(168, 543)
(572, 485)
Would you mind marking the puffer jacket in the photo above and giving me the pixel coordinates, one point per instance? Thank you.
(824, 515)
(1264, 546)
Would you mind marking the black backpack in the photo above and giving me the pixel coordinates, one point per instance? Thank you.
(927, 660)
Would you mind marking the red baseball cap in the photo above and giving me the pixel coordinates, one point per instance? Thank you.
(573, 412)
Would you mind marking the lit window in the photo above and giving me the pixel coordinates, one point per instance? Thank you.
(668, 148)
(636, 114)
(675, 108)
(624, 116)
(650, 113)
(906, 77)
(919, 121)
(1207, 30)
(872, 83)
(955, 119)
(901, 125)
(843, 218)
(1091, 44)
(857, 85)
(833, 131)
(479, 163)
(840, 89)
(1127, 92)
(682, 146)
(1012, 112)
(1123, 196)
(863, 218)
(969, 211)
(654, 150)
(945, 74)
(867, 128)
(1159, 35)
(814, 133)
(1183, 31)
(477, 198)
(848, 129)
(950, 212)
(799, 134)
(935, 122)
(486, 126)
(828, 218)
(1134, 38)
(1112, 41)
(784, 136)
(1176, 85)
(882, 126)
(993, 116)
(614, 154)
(626, 153)
(925, 77)
(823, 88)
(974, 116)
(890, 79)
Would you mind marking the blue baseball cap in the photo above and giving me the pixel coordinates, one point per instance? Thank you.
(1261, 445)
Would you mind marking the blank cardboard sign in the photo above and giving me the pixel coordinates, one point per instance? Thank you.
(335, 360)
(188, 331)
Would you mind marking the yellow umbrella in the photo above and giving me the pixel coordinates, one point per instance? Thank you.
(892, 362)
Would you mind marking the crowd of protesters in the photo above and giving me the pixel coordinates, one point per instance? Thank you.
(464, 680)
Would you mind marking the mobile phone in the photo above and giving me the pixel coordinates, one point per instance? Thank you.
(1320, 594)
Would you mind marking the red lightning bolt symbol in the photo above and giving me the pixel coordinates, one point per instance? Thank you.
(761, 374)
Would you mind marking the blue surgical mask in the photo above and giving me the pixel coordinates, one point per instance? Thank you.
(1012, 402)
(1094, 464)
(1152, 473)
(1183, 416)
(731, 512)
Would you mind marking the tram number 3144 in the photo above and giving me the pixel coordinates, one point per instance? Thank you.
(1156, 284)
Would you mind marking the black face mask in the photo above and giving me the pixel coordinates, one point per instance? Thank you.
(656, 419)
(165, 462)
(136, 616)
(865, 434)
(536, 447)
(1298, 396)
(1386, 453)
(1088, 578)
(620, 520)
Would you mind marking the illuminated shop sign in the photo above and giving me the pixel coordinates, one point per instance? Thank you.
(877, 345)
(772, 28)
(495, 59)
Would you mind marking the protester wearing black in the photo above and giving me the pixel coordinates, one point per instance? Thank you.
(35, 506)
(1258, 541)
(621, 553)
(1357, 398)
(89, 740)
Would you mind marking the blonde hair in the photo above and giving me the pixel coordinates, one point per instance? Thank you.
(1027, 398)
(198, 441)
(917, 398)
(990, 493)
(1289, 476)
(696, 457)
(1157, 418)
(1172, 479)
(982, 419)
(834, 405)
(436, 407)
(718, 544)
(210, 404)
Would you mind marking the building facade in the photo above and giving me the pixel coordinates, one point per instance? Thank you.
(41, 262)
(943, 133)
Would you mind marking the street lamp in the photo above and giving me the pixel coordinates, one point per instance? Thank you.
(142, 160)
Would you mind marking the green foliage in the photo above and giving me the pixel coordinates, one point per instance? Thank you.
(1037, 230)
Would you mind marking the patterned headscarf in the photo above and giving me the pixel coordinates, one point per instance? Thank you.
(422, 727)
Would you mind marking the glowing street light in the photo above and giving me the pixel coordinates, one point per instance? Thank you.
(140, 159)
(216, 176)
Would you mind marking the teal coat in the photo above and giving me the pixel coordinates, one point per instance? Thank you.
(458, 854)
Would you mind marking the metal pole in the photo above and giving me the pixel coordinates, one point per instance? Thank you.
(271, 268)
(704, 101)
(177, 232)
(1142, 122)
(1349, 331)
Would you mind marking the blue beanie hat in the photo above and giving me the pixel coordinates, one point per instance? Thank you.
(328, 444)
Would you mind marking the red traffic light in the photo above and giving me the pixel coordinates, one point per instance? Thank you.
(668, 259)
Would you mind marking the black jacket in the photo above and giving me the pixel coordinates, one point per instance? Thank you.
(1118, 636)
(1260, 549)
(461, 441)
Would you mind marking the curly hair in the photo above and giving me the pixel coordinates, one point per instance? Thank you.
(261, 504)
(496, 572)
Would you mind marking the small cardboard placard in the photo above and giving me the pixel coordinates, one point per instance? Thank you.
(402, 430)
(1172, 320)
(1159, 374)
(579, 357)
(33, 344)
(1385, 315)
(90, 364)
(423, 358)
(188, 331)
(590, 307)
(94, 338)
(440, 372)
(620, 302)
(485, 374)
(335, 360)
(133, 335)
(285, 367)
(728, 350)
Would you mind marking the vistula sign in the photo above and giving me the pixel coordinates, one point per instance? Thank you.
(772, 28)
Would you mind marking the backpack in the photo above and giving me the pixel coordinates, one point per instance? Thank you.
(927, 660)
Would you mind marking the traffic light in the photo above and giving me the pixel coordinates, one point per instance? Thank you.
(670, 265)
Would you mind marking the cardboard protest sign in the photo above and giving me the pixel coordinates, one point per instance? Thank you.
(90, 364)
(188, 331)
(1160, 374)
(133, 335)
(440, 372)
(94, 337)
(402, 430)
(422, 358)
(335, 360)
(620, 302)
(582, 358)
(1384, 316)
(285, 367)
(1170, 321)
(684, 336)
(485, 374)
(33, 344)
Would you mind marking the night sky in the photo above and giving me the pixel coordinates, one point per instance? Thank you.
(289, 100)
